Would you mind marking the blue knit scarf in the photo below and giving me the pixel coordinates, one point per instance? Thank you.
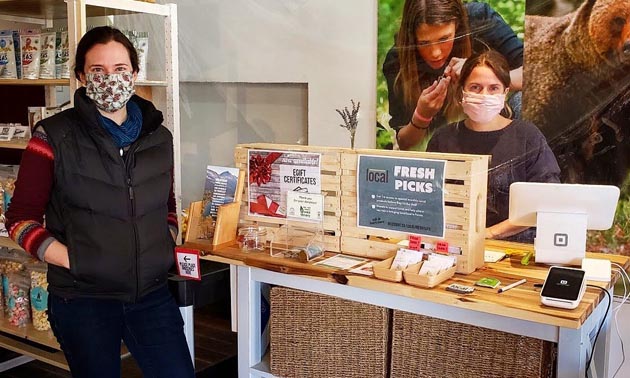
(128, 132)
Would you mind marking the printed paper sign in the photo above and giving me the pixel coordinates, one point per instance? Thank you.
(187, 263)
(415, 242)
(271, 174)
(305, 206)
(401, 194)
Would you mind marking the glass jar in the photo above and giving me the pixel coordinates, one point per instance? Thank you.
(252, 238)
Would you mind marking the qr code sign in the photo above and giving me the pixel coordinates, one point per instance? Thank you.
(188, 263)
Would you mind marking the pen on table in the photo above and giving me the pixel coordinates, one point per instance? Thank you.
(511, 286)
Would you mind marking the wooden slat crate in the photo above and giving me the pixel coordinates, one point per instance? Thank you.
(330, 185)
(465, 208)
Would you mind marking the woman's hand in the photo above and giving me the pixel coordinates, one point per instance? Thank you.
(454, 68)
(432, 98)
(57, 254)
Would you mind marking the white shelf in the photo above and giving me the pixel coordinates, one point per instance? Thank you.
(35, 11)
(131, 6)
(65, 82)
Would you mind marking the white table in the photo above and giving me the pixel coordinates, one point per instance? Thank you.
(573, 344)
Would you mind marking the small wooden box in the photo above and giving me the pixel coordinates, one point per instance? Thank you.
(382, 271)
(330, 186)
(413, 278)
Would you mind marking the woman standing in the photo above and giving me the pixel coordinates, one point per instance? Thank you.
(101, 174)
(434, 40)
(519, 150)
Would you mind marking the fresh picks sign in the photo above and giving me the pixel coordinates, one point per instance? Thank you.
(401, 194)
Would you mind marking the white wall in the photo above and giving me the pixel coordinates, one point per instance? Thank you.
(288, 56)
(328, 44)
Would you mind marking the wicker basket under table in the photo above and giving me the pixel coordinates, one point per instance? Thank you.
(314, 335)
(428, 347)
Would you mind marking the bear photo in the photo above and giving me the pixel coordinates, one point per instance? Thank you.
(577, 86)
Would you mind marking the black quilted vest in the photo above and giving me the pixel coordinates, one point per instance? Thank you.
(109, 210)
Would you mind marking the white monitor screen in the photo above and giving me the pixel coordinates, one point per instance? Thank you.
(598, 202)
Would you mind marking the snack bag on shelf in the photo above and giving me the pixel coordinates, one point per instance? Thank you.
(140, 41)
(62, 55)
(30, 52)
(8, 68)
(8, 186)
(39, 295)
(11, 261)
(18, 303)
(16, 47)
(47, 67)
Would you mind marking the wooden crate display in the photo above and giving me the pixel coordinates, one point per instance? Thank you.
(330, 185)
(465, 208)
(428, 347)
(319, 336)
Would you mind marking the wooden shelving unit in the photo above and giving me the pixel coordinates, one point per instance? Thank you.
(25, 340)
(17, 144)
(35, 82)
(65, 82)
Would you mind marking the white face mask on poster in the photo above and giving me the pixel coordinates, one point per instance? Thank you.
(482, 108)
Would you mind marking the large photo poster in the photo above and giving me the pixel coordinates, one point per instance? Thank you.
(447, 67)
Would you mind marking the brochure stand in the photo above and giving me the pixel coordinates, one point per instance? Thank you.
(226, 223)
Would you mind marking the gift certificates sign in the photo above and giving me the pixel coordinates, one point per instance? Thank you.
(271, 174)
(401, 194)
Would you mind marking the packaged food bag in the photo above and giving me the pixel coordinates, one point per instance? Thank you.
(30, 48)
(47, 60)
(18, 302)
(39, 295)
(8, 68)
(11, 261)
(62, 55)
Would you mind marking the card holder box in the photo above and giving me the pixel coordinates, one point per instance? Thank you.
(413, 278)
(382, 271)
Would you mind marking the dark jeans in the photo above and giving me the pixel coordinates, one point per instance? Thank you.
(89, 332)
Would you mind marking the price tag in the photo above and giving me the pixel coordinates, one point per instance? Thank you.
(187, 263)
(441, 247)
(415, 242)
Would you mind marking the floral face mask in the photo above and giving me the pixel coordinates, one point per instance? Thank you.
(110, 92)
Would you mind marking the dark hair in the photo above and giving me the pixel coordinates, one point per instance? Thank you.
(430, 12)
(102, 35)
(491, 59)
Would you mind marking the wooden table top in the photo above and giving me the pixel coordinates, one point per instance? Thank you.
(521, 302)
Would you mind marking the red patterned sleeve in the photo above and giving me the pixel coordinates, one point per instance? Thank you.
(25, 215)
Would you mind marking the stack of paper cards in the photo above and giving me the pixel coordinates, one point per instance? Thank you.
(405, 257)
(493, 256)
(436, 264)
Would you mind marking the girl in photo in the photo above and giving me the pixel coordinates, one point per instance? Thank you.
(519, 150)
(435, 39)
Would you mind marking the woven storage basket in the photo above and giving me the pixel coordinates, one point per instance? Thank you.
(315, 335)
(430, 347)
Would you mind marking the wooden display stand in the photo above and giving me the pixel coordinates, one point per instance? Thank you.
(226, 223)
(330, 186)
(465, 194)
